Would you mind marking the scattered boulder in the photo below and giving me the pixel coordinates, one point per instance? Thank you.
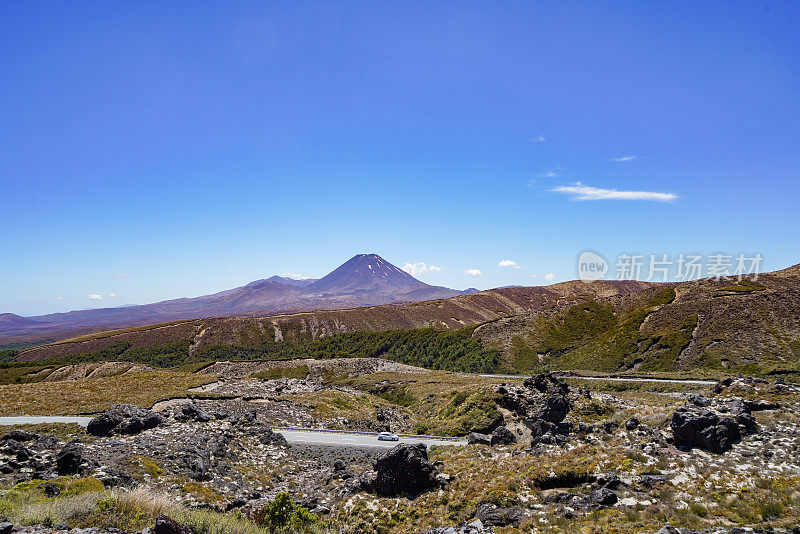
(608, 480)
(540, 397)
(502, 436)
(494, 516)
(594, 500)
(116, 478)
(6, 527)
(103, 424)
(167, 525)
(21, 435)
(50, 489)
(651, 481)
(192, 411)
(476, 438)
(134, 425)
(70, 458)
(694, 425)
(632, 424)
(404, 470)
(152, 420)
(123, 419)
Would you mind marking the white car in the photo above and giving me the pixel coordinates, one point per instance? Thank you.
(388, 436)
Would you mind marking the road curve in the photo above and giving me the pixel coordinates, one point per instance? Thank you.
(348, 439)
(292, 435)
(39, 419)
(615, 379)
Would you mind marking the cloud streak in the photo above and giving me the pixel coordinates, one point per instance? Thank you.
(472, 272)
(585, 192)
(95, 296)
(508, 263)
(420, 268)
(623, 158)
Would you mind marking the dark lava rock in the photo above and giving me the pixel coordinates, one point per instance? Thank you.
(651, 481)
(45, 443)
(152, 420)
(50, 489)
(752, 405)
(134, 425)
(608, 480)
(204, 455)
(167, 525)
(69, 459)
(602, 497)
(705, 429)
(20, 435)
(599, 498)
(476, 438)
(632, 423)
(115, 478)
(540, 397)
(103, 424)
(403, 470)
(711, 430)
(339, 465)
(269, 437)
(494, 516)
(503, 436)
(610, 426)
(13, 447)
(193, 412)
(6, 528)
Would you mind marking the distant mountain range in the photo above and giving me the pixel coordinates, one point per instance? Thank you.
(363, 280)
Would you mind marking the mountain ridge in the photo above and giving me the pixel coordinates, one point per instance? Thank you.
(363, 280)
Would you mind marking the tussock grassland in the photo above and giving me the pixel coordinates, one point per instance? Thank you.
(96, 394)
(84, 503)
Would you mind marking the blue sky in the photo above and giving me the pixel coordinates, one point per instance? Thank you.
(156, 150)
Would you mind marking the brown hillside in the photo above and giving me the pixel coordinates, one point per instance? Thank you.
(453, 313)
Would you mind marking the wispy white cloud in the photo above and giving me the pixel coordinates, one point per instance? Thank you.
(419, 268)
(537, 139)
(112, 295)
(61, 297)
(473, 272)
(624, 158)
(95, 296)
(550, 277)
(585, 192)
(533, 276)
(508, 263)
(295, 276)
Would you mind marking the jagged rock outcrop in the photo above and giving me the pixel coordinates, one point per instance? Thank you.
(492, 515)
(403, 470)
(70, 459)
(714, 428)
(502, 436)
(541, 404)
(123, 419)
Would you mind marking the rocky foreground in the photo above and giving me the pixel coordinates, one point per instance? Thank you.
(558, 457)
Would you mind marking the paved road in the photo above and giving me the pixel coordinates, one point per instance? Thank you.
(37, 419)
(357, 440)
(616, 379)
(292, 435)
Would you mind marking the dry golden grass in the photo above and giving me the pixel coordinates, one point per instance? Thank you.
(96, 394)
